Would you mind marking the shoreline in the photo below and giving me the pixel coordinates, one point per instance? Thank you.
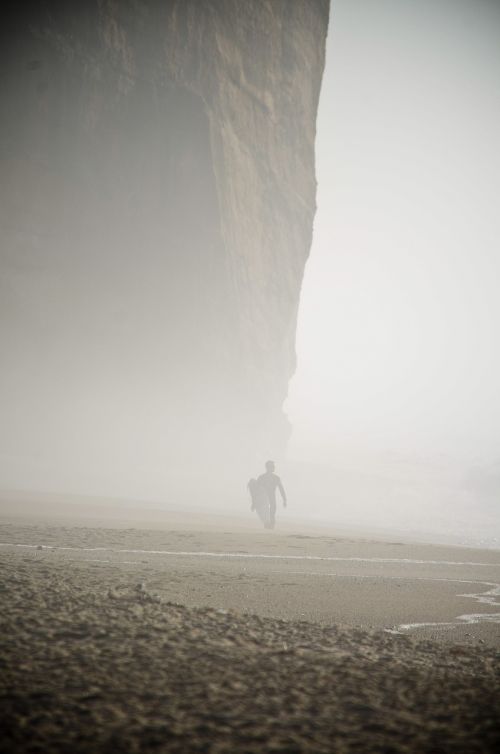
(444, 593)
(99, 657)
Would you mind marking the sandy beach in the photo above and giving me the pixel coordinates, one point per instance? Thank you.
(129, 635)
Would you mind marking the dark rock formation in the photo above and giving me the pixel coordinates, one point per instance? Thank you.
(157, 199)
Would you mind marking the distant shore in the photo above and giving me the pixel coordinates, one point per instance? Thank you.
(69, 509)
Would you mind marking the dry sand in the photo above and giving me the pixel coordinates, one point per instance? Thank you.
(117, 638)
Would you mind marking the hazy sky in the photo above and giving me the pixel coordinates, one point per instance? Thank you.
(399, 323)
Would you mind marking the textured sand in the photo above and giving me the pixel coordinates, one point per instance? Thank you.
(445, 593)
(112, 640)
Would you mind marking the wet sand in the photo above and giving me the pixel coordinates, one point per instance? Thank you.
(122, 638)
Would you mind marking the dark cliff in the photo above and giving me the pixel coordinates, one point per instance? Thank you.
(157, 200)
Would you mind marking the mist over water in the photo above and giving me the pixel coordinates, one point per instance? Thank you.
(395, 401)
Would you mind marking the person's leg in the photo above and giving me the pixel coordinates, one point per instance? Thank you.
(272, 513)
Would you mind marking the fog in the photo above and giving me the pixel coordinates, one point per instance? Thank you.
(155, 163)
(109, 384)
(398, 359)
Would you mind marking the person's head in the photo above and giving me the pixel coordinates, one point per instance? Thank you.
(270, 466)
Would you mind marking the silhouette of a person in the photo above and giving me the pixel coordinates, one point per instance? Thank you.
(269, 483)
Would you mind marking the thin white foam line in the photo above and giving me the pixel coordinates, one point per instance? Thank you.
(107, 560)
(467, 620)
(386, 578)
(246, 555)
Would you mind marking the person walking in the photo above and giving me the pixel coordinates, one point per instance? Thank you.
(268, 483)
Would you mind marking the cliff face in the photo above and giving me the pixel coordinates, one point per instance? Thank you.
(158, 194)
